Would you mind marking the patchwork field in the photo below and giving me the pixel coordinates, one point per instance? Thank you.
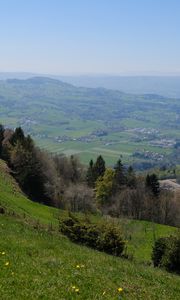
(87, 122)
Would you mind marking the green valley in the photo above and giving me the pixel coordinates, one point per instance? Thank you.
(62, 118)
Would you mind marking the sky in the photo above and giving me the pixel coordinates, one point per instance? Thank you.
(90, 36)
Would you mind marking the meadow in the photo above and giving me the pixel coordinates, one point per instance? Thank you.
(37, 262)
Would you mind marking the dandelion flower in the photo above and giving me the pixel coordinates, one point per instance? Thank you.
(78, 266)
(77, 290)
(73, 287)
(3, 253)
(7, 263)
(120, 290)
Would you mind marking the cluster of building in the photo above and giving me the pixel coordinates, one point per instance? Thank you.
(148, 155)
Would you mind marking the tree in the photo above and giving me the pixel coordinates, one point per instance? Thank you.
(99, 167)
(152, 184)
(18, 136)
(104, 188)
(119, 177)
(131, 178)
(78, 197)
(27, 164)
(153, 189)
(76, 170)
(90, 176)
(28, 143)
(27, 169)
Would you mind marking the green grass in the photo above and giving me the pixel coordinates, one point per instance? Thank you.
(42, 265)
(141, 236)
(42, 262)
(12, 199)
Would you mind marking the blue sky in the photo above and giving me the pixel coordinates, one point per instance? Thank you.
(90, 36)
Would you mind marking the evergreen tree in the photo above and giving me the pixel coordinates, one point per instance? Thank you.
(26, 163)
(27, 168)
(152, 183)
(28, 143)
(120, 176)
(18, 136)
(131, 178)
(99, 167)
(90, 174)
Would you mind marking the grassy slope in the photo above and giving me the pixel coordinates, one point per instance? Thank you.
(42, 264)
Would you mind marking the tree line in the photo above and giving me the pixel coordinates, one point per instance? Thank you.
(65, 183)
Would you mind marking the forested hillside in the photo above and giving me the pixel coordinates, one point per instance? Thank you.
(65, 183)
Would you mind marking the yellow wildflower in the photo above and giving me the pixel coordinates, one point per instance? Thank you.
(78, 266)
(7, 263)
(3, 253)
(77, 290)
(104, 293)
(73, 287)
(120, 290)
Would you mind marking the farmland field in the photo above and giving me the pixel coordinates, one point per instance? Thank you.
(87, 122)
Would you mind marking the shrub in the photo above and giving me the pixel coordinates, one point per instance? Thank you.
(111, 240)
(166, 253)
(171, 258)
(103, 237)
(159, 250)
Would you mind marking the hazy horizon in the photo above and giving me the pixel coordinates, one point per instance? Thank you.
(87, 74)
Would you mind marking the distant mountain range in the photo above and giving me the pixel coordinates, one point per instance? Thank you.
(168, 86)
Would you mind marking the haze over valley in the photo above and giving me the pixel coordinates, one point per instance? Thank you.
(62, 118)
